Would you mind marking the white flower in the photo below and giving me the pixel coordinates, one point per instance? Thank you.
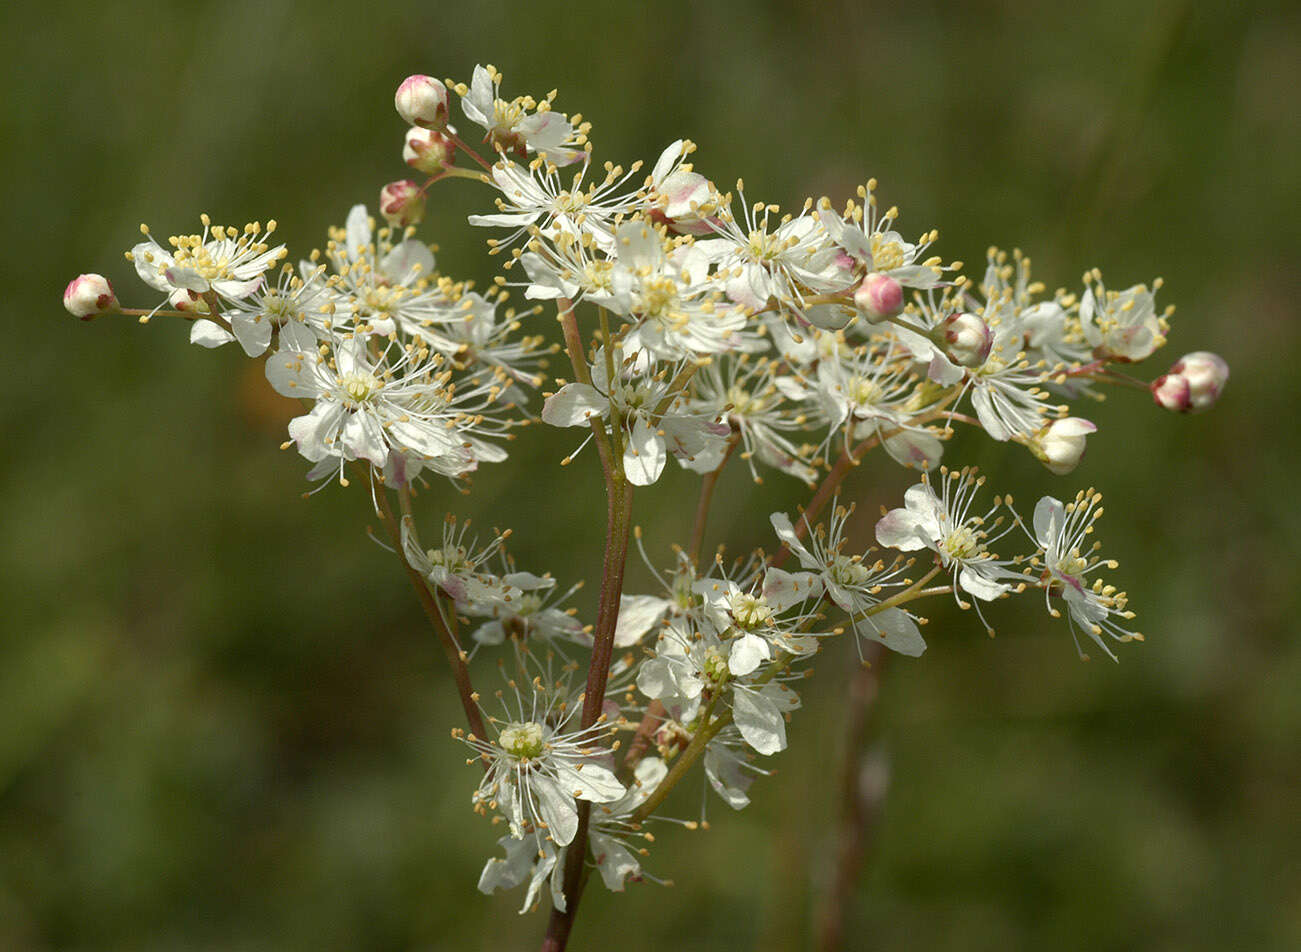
(379, 286)
(538, 198)
(852, 583)
(750, 396)
(226, 260)
(456, 567)
(1122, 325)
(668, 292)
(367, 406)
(1049, 331)
(521, 124)
(868, 238)
(1067, 561)
(795, 257)
(945, 525)
(649, 432)
(537, 766)
(525, 610)
(296, 307)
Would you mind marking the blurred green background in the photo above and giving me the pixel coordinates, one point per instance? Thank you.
(222, 724)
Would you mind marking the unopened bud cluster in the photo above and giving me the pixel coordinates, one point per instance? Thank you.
(699, 326)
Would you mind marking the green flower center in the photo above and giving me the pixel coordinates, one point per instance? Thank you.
(522, 739)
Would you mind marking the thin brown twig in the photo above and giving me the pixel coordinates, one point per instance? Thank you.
(859, 801)
(456, 659)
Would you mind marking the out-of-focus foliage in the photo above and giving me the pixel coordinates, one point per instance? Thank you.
(222, 724)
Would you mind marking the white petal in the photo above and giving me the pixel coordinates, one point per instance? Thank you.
(656, 679)
(988, 418)
(557, 809)
(902, 530)
(211, 334)
(407, 262)
(725, 775)
(490, 633)
(914, 450)
(783, 589)
(664, 164)
(748, 652)
(188, 278)
(358, 231)
(977, 581)
(573, 404)
(297, 335)
(829, 317)
(1049, 515)
(363, 438)
(644, 454)
(543, 866)
(637, 614)
(509, 872)
(316, 432)
(781, 524)
(614, 861)
(151, 261)
(759, 720)
(639, 246)
(253, 331)
(895, 629)
(589, 781)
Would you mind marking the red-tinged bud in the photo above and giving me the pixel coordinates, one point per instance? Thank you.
(879, 297)
(183, 299)
(401, 203)
(427, 151)
(422, 101)
(966, 339)
(1206, 374)
(1171, 391)
(89, 295)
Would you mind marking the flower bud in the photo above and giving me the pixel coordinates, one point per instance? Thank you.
(1060, 445)
(966, 339)
(1172, 392)
(1206, 374)
(89, 295)
(427, 151)
(183, 299)
(401, 203)
(422, 101)
(879, 297)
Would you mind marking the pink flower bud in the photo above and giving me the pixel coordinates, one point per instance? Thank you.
(401, 203)
(1172, 392)
(89, 295)
(427, 151)
(1206, 374)
(422, 101)
(1060, 445)
(966, 339)
(879, 297)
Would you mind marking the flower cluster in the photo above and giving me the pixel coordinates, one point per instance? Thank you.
(712, 326)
